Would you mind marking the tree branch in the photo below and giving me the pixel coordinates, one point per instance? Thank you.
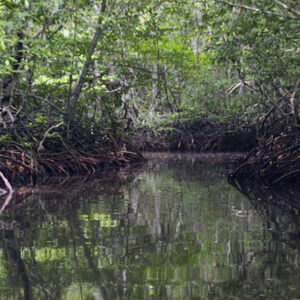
(265, 12)
(288, 8)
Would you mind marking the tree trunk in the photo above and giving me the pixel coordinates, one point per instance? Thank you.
(75, 93)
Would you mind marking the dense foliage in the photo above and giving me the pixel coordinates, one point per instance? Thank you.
(111, 67)
(138, 60)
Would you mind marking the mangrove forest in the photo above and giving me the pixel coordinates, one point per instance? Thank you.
(124, 123)
(85, 84)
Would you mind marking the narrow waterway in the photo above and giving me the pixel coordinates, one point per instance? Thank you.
(170, 229)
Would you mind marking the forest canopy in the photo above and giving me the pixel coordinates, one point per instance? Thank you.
(113, 67)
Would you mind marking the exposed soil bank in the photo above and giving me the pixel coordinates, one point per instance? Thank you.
(196, 136)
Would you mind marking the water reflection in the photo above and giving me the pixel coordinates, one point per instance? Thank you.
(173, 230)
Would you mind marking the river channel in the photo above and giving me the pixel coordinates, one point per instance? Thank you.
(172, 228)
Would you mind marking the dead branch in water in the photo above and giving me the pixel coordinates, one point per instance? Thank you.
(7, 200)
(10, 191)
(6, 182)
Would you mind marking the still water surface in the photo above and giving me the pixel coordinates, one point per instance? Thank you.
(170, 229)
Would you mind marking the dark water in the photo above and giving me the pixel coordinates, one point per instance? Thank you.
(172, 229)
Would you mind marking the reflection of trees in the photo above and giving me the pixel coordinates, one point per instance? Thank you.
(277, 209)
(104, 291)
(47, 204)
(159, 236)
(23, 276)
(12, 253)
(258, 263)
(207, 168)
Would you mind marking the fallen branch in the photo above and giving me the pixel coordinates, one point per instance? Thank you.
(10, 192)
(7, 200)
(6, 182)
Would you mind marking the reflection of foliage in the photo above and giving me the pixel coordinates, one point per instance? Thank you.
(172, 233)
(105, 219)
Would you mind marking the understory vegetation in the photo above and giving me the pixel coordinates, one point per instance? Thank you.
(85, 84)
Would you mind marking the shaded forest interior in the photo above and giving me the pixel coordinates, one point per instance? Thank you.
(89, 84)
